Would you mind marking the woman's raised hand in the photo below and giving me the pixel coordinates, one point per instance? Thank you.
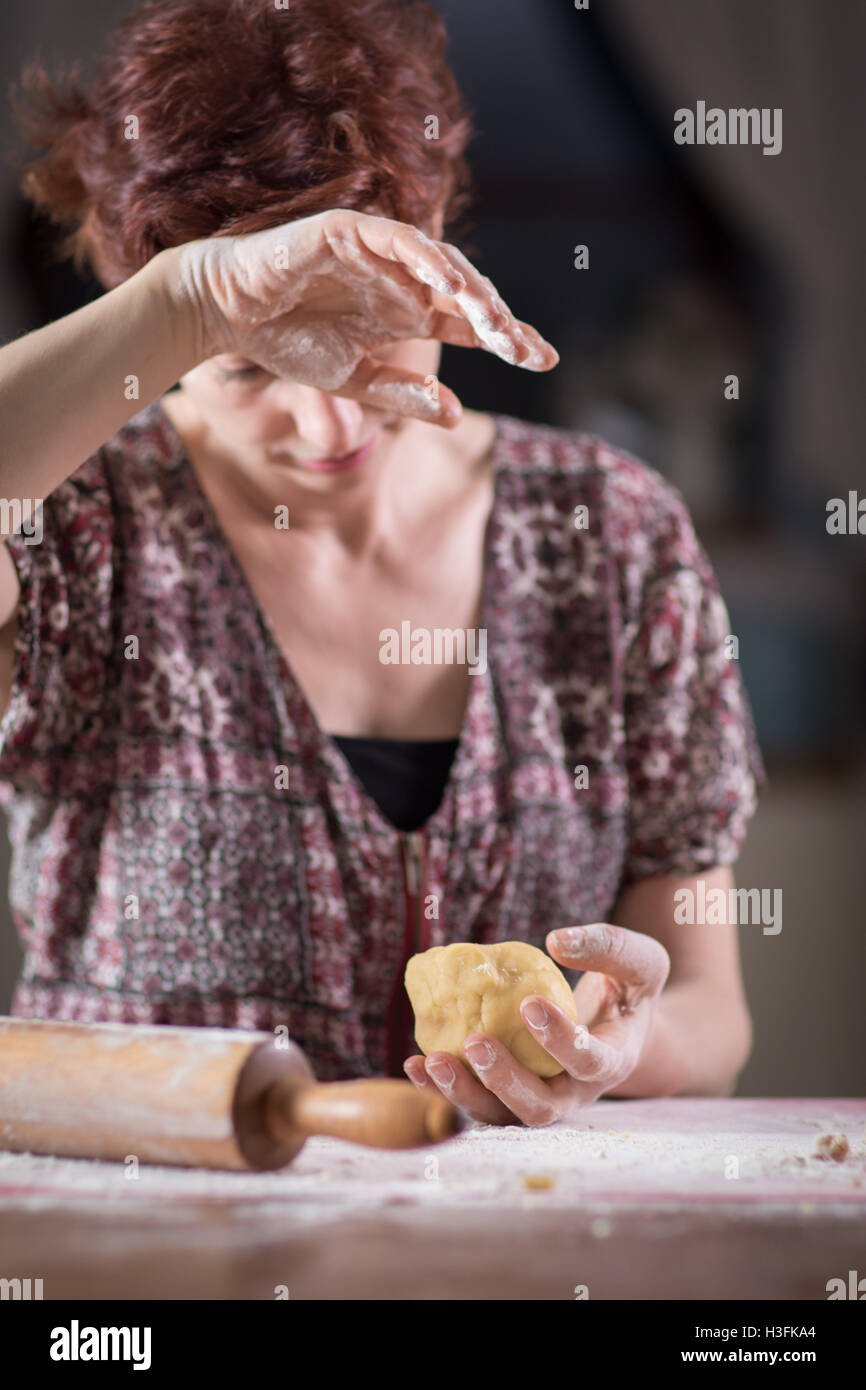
(316, 299)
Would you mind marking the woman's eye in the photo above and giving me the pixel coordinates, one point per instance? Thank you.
(240, 373)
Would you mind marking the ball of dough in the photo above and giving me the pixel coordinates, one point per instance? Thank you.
(462, 989)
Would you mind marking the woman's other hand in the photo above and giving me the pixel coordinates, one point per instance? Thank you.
(616, 1000)
(315, 299)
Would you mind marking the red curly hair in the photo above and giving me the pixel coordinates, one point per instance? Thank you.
(248, 116)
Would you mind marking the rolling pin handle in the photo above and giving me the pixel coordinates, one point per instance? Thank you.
(379, 1113)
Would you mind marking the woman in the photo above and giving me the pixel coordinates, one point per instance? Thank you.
(229, 804)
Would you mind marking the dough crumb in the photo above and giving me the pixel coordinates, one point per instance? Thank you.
(833, 1146)
(538, 1182)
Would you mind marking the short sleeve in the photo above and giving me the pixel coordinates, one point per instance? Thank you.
(692, 756)
(64, 557)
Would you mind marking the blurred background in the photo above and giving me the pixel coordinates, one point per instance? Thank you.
(703, 262)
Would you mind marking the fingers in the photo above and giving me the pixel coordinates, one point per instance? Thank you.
(589, 1060)
(448, 328)
(543, 356)
(402, 392)
(424, 258)
(390, 280)
(493, 1087)
(515, 1086)
(493, 321)
(446, 271)
(630, 957)
(418, 316)
(447, 1074)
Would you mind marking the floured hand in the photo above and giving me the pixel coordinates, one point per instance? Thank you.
(315, 299)
(616, 999)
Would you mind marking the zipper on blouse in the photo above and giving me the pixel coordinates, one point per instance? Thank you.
(400, 1022)
(413, 850)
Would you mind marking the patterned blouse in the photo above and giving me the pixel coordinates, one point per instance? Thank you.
(189, 847)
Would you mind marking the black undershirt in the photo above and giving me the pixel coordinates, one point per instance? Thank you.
(405, 778)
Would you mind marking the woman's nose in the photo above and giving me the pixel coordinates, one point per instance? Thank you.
(330, 424)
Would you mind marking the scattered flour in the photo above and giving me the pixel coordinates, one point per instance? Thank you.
(673, 1152)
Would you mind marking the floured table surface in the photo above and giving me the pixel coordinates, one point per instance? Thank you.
(680, 1198)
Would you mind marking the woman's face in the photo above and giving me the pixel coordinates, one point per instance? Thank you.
(260, 417)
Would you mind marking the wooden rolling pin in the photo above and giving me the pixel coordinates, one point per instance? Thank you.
(193, 1097)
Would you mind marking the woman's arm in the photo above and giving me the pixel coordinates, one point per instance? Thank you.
(64, 389)
(701, 1034)
(67, 387)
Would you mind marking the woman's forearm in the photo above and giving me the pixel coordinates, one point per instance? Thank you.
(68, 387)
(697, 1046)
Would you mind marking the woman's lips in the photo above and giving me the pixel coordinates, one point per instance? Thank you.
(343, 463)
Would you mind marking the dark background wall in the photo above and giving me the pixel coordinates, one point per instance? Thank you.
(701, 263)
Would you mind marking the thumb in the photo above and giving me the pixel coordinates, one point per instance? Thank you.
(586, 947)
(631, 957)
(403, 392)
